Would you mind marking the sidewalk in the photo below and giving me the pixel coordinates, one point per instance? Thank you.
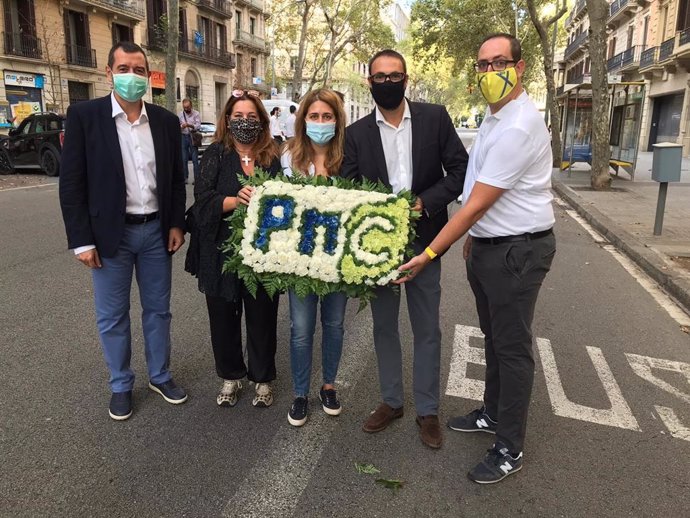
(625, 216)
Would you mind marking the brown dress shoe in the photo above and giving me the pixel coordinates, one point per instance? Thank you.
(430, 431)
(381, 418)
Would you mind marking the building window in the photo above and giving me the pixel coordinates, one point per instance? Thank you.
(252, 25)
(78, 92)
(122, 33)
(252, 65)
(238, 23)
(78, 40)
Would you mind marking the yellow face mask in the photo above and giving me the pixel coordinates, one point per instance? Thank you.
(496, 85)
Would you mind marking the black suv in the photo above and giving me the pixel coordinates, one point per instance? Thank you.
(35, 143)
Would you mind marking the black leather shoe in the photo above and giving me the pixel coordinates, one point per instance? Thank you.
(170, 392)
(120, 405)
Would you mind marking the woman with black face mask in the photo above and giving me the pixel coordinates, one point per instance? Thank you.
(242, 143)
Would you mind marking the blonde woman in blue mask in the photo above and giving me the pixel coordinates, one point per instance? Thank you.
(317, 149)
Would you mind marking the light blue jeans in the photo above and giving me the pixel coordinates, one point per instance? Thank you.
(142, 249)
(302, 327)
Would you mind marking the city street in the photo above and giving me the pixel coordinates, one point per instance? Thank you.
(608, 434)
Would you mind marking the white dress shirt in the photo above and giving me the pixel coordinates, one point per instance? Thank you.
(275, 127)
(290, 125)
(397, 148)
(512, 151)
(138, 161)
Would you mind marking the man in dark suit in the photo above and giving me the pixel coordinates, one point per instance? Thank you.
(123, 200)
(407, 145)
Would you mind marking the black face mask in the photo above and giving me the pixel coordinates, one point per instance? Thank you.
(244, 131)
(388, 95)
(188, 110)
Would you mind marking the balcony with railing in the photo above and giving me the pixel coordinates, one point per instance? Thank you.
(131, 9)
(81, 56)
(666, 49)
(576, 45)
(631, 58)
(23, 45)
(258, 5)
(620, 11)
(649, 58)
(205, 52)
(614, 63)
(248, 39)
(576, 13)
(222, 8)
(684, 37)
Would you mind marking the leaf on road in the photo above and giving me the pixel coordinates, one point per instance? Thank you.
(685, 329)
(367, 469)
(390, 484)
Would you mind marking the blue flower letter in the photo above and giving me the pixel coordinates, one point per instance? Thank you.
(270, 222)
(311, 219)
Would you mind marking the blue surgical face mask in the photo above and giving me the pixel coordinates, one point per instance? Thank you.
(320, 132)
(131, 87)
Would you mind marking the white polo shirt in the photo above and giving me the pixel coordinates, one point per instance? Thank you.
(512, 151)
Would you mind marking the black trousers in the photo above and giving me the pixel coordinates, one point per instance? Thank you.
(261, 315)
(506, 279)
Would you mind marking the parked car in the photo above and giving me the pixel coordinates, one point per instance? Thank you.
(35, 144)
(208, 132)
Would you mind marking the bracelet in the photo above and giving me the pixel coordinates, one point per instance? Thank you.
(432, 255)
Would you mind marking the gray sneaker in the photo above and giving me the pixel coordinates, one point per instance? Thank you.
(229, 393)
(264, 395)
(476, 421)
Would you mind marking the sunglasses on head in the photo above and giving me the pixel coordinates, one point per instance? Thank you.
(239, 93)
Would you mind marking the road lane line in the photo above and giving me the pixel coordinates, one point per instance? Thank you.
(671, 421)
(273, 487)
(459, 385)
(29, 187)
(643, 365)
(644, 280)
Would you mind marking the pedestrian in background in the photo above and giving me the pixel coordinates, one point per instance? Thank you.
(122, 196)
(290, 123)
(509, 251)
(276, 130)
(316, 150)
(407, 146)
(190, 121)
(243, 142)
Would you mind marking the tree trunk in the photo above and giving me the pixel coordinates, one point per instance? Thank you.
(171, 55)
(547, 51)
(299, 66)
(598, 11)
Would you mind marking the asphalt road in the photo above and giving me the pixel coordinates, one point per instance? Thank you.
(609, 428)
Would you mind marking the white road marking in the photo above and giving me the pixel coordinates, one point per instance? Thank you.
(643, 365)
(671, 421)
(459, 385)
(619, 415)
(273, 486)
(28, 187)
(661, 298)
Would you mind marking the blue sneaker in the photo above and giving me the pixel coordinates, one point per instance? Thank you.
(496, 466)
(476, 421)
(120, 405)
(170, 392)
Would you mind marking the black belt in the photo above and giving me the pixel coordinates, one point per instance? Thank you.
(527, 236)
(139, 219)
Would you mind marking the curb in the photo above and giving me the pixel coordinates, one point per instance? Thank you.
(651, 262)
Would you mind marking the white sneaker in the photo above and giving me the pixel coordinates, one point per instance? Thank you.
(264, 395)
(229, 393)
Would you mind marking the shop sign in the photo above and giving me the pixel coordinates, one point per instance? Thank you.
(23, 79)
(157, 79)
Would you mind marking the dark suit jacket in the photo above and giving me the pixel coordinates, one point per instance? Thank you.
(435, 147)
(92, 178)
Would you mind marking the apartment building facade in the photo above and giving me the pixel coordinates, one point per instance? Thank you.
(55, 52)
(648, 63)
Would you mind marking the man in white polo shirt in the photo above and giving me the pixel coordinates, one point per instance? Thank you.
(509, 250)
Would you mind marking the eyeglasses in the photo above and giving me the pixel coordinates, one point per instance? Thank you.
(240, 93)
(393, 77)
(497, 65)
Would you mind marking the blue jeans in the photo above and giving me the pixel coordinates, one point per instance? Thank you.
(189, 151)
(142, 249)
(302, 326)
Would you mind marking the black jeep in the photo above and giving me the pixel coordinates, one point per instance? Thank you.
(35, 143)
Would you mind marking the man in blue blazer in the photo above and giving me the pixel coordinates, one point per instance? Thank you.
(408, 146)
(122, 195)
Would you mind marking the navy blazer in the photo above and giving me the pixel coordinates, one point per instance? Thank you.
(92, 178)
(435, 147)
